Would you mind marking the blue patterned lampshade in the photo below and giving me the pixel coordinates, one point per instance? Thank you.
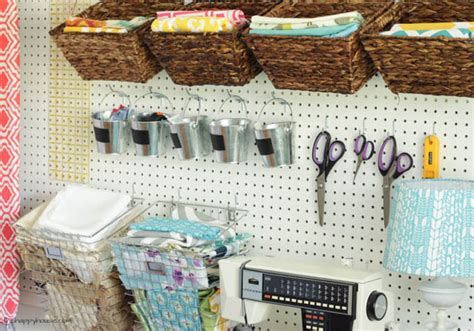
(431, 229)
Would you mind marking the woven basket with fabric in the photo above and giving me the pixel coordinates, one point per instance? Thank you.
(426, 65)
(208, 58)
(316, 63)
(83, 307)
(107, 56)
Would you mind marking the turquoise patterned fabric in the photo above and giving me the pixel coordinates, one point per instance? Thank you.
(197, 230)
(175, 310)
(431, 230)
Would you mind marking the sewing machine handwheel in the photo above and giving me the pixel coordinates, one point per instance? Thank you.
(377, 306)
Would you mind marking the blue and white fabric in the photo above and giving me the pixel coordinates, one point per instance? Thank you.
(431, 230)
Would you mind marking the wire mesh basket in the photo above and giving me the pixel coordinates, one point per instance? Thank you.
(170, 283)
(57, 257)
(144, 265)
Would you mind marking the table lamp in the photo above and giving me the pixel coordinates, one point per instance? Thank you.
(431, 234)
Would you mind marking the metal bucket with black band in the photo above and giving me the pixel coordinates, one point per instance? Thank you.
(275, 141)
(150, 129)
(112, 136)
(190, 134)
(231, 136)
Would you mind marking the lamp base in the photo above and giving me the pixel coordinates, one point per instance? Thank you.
(442, 293)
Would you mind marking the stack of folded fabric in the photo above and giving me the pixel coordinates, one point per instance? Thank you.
(339, 25)
(171, 266)
(447, 29)
(90, 307)
(199, 21)
(85, 25)
(74, 227)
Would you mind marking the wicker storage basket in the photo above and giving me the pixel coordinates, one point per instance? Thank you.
(106, 56)
(315, 63)
(211, 58)
(439, 66)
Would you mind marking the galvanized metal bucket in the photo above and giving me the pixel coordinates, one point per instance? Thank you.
(231, 137)
(112, 137)
(151, 138)
(275, 141)
(190, 134)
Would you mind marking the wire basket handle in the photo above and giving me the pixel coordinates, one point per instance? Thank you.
(242, 101)
(281, 101)
(123, 95)
(158, 95)
(192, 97)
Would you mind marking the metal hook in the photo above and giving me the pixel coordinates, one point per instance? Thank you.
(194, 96)
(394, 131)
(363, 126)
(434, 128)
(120, 93)
(326, 126)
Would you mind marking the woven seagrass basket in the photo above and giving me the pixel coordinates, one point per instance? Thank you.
(434, 65)
(208, 58)
(106, 56)
(315, 63)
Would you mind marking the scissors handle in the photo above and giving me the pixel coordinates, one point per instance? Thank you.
(336, 151)
(368, 151)
(320, 151)
(359, 144)
(386, 165)
(403, 164)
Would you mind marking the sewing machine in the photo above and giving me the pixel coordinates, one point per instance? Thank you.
(331, 298)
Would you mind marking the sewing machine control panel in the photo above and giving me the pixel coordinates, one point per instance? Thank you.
(306, 293)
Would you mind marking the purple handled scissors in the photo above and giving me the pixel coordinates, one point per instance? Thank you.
(325, 156)
(391, 169)
(364, 150)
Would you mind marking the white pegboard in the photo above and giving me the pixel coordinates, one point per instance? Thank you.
(282, 202)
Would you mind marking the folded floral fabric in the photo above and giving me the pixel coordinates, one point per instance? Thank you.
(193, 25)
(138, 268)
(278, 23)
(175, 310)
(78, 29)
(193, 229)
(329, 31)
(111, 24)
(450, 33)
(235, 16)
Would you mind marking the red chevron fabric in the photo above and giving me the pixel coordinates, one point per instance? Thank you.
(9, 157)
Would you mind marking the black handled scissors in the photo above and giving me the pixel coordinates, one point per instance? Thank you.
(391, 169)
(325, 155)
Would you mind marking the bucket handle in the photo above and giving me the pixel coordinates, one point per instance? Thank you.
(159, 95)
(192, 97)
(239, 99)
(281, 101)
(119, 93)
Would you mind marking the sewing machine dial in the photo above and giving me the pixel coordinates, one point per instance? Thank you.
(377, 306)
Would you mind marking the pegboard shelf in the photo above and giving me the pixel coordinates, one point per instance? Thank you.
(282, 203)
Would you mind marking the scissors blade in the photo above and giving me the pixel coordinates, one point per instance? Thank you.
(359, 163)
(387, 187)
(321, 198)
